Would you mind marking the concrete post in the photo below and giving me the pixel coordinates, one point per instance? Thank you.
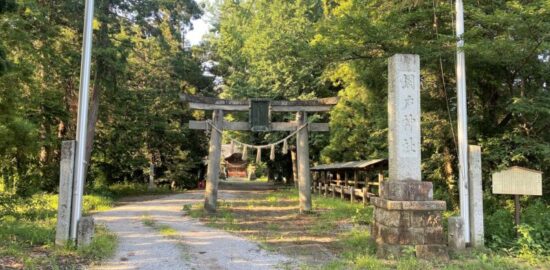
(213, 170)
(304, 184)
(85, 232)
(456, 233)
(477, 237)
(64, 202)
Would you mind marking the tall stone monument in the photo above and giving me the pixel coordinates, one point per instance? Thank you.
(405, 214)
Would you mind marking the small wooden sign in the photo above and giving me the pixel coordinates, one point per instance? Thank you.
(517, 181)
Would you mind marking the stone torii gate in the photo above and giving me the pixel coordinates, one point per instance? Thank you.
(260, 120)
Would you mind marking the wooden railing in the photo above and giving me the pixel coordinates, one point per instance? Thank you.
(356, 189)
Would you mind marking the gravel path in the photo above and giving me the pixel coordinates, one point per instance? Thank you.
(195, 247)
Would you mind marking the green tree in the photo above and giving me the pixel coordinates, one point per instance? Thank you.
(263, 50)
(139, 65)
(358, 36)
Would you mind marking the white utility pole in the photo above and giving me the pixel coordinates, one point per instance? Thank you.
(462, 107)
(82, 124)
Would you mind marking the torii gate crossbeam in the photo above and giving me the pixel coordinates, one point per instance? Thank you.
(219, 106)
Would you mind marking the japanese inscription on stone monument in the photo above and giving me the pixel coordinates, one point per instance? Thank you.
(404, 117)
(405, 214)
(407, 112)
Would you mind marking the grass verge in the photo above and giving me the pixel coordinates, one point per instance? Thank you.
(27, 236)
(27, 230)
(335, 236)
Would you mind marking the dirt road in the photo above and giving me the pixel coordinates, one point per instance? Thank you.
(193, 245)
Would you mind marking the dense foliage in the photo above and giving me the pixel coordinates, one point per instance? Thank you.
(300, 49)
(316, 48)
(140, 63)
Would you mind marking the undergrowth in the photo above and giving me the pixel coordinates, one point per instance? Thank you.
(27, 229)
(127, 189)
(27, 233)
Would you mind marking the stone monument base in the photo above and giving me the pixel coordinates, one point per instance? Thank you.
(407, 219)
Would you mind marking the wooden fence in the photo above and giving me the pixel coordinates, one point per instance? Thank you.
(354, 180)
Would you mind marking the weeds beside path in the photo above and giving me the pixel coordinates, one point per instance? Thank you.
(27, 230)
(335, 236)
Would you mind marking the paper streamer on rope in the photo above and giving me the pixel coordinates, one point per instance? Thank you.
(272, 154)
(258, 154)
(245, 146)
(245, 153)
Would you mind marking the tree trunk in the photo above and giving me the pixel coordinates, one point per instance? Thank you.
(93, 114)
(100, 72)
(449, 174)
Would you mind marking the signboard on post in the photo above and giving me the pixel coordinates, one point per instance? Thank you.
(518, 181)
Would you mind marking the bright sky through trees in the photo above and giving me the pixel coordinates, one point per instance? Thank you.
(200, 28)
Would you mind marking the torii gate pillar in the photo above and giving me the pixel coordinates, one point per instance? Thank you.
(304, 174)
(213, 171)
